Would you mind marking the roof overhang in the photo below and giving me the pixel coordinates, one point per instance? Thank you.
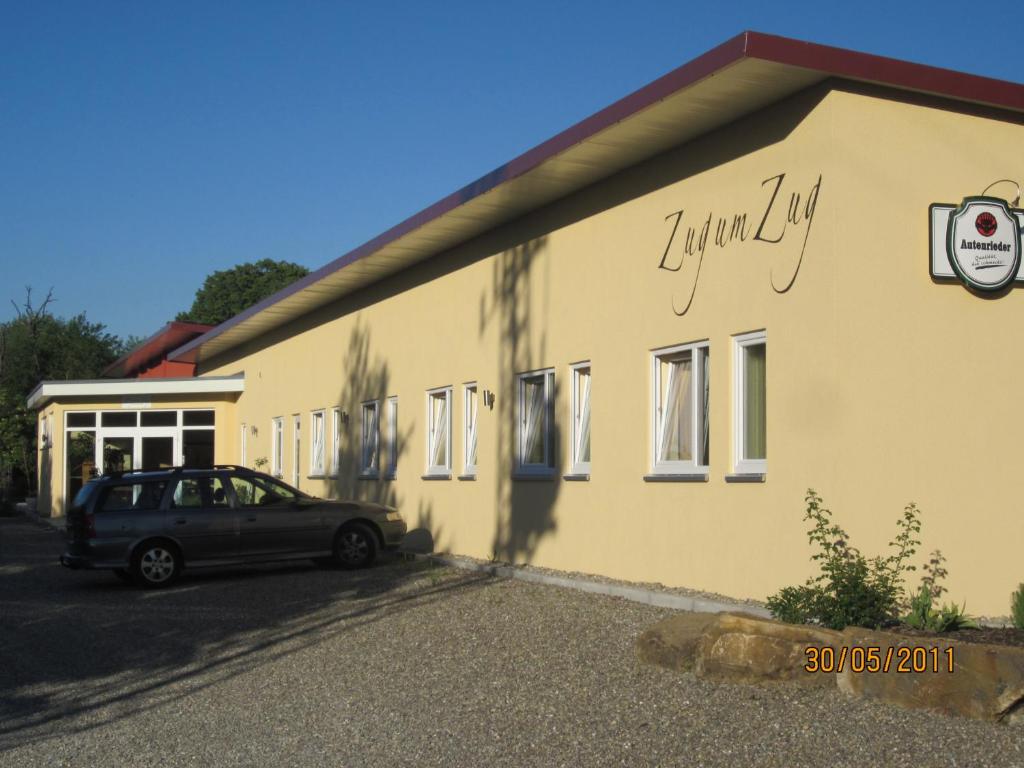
(744, 74)
(112, 388)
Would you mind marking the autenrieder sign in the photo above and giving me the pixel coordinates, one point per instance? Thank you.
(977, 242)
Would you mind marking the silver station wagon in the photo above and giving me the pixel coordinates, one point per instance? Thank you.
(149, 526)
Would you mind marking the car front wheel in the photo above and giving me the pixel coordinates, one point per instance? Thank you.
(156, 564)
(355, 546)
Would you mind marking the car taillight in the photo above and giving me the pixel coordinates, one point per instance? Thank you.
(90, 526)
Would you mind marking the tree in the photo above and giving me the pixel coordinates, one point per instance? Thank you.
(226, 293)
(36, 346)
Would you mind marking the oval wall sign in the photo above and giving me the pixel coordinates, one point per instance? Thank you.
(983, 243)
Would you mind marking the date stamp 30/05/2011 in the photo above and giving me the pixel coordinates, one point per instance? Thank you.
(861, 658)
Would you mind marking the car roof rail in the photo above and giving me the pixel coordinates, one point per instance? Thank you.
(118, 474)
(238, 467)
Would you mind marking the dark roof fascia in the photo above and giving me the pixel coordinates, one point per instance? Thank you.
(827, 60)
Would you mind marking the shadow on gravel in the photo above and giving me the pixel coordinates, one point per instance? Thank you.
(79, 650)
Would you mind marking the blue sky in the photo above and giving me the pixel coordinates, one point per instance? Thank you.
(144, 144)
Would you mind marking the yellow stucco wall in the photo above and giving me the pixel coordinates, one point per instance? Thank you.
(884, 387)
(50, 500)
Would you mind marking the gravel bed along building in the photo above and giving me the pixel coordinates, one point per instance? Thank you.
(404, 664)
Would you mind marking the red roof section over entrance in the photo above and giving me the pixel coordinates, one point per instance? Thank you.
(149, 359)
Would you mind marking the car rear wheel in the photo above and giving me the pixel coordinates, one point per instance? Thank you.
(355, 546)
(156, 564)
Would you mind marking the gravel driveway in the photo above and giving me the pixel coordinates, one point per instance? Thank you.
(399, 665)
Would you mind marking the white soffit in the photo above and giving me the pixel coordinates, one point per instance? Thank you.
(730, 93)
(52, 390)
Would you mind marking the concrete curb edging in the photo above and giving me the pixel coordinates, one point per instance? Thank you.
(634, 594)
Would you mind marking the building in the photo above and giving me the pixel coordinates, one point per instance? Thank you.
(584, 359)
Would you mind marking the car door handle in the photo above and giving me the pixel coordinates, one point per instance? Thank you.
(180, 521)
(251, 518)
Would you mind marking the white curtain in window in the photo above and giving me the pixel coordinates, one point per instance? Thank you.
(278, 446)
(369, 437)
(318, 443)
(583, 436)
(676, 413)
(335, 439)
(533, 421)
(471, 427)
(439, 430)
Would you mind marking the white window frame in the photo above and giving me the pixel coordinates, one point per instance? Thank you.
(470, 428)
(296, 448)
(742, 465)
(277, 446)
(369, 469)
(445, 469)
(575, 415)
(548, 466)
(392, 412)
(698, 350)
(336, 426)
(317, 461)
(242, 446)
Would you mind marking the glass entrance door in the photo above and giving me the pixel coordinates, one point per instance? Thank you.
(157, 452)
(124, 450)
(116, 453)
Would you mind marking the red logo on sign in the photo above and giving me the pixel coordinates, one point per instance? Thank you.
(985, 224)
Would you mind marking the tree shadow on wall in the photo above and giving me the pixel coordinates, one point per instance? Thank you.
(367, 379)
(519, 306)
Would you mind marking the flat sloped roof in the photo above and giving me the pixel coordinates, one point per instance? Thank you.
(744, 74)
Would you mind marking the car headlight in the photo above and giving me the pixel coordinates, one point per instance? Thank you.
(392, 515)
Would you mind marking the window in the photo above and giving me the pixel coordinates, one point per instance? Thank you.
(581, 419)
(470, 402)
(277, 447)
(241, 446)
(336, 422)
(137, 496)
(296, 447)
(749, 407)
(317, 439)
(199, 493)
(680, 409)
(392, 472)
(369, 465)
(253, 492)
(439, 432)
(535, 443)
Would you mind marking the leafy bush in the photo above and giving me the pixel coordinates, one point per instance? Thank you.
(851, 588)
(1017, 607)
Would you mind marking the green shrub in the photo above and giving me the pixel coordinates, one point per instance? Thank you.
(1017, 607)
(923, 614)
(850, 589)
(948, 618)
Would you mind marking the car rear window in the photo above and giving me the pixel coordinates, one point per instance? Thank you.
(140, 496)
(84, 494)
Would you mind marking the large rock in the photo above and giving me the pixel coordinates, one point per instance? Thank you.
(987, 681)
(672, 642)
(747, 649)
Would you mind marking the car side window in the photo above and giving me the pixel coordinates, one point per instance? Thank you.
(258, 492)
(138, 496)
(199, 492)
